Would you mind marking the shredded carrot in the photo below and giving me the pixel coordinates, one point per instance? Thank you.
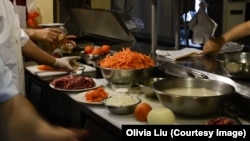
(49, 68)
(127, 59)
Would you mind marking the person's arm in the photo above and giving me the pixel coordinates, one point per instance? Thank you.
(239, 31)
(47, 34)
(43, 34)
(20, 122)
(214, 45)
(31, 51)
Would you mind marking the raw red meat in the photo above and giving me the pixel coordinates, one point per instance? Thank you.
(73, 82)
(221, 121)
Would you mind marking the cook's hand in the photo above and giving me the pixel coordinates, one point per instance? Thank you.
(67, 62)
(69, 38)
(48, 34)
(211, 47)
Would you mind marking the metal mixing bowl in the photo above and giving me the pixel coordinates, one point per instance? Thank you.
(126, 74)
(146, 86)
(191, 103)
(236, 64)
(121, 107)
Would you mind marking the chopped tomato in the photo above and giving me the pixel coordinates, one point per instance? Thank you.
(96, 95)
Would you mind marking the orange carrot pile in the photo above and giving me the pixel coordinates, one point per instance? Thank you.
(127, 59)
(96, 95)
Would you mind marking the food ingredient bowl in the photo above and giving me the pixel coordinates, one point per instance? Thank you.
(237, 64)
(122, 104)
(67, 47)
(126, 74)
(192, 96)
(121, 86)
(146, 86)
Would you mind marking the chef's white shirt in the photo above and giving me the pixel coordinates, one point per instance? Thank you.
(12, 38)
(7, 87)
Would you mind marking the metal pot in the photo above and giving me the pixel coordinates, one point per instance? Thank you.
(236, 64)
(189, 101)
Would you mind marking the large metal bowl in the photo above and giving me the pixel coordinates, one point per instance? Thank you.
(189, 101)
(126, 74)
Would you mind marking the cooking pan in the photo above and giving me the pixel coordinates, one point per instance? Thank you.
(236, 64)
(192, 96)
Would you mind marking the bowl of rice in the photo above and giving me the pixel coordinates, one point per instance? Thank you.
(122, 104)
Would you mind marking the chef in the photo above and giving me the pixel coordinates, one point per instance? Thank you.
(15, 44)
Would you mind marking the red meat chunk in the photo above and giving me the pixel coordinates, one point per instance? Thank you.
(73, 82)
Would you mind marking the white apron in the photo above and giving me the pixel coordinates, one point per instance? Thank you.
(12, 38)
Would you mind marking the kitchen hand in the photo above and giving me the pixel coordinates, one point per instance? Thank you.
(67, 62)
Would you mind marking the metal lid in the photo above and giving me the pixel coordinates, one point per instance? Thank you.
(103, 23)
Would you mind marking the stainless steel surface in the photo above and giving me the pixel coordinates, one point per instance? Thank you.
(97, 22)
(236, 64)
(146, 86)
(122, 110)
(177, 24)
(126, 74)
(192, 105)
(153, 27)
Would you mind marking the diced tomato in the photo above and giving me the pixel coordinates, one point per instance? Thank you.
(96, 95)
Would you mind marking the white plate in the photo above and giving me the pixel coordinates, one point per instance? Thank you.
(81, 98)
(97, 84)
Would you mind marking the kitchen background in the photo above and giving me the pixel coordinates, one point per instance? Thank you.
(226, 14)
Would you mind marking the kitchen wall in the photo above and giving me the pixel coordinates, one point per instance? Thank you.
(234, 13)
(46, 9)
(100, 4)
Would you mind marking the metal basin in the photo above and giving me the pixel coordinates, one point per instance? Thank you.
(126, 74)
(191, 100)
(236, 64)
